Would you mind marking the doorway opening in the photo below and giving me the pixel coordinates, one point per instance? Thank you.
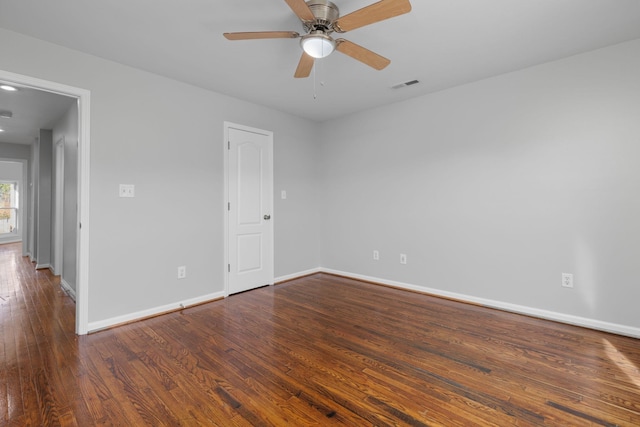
(82, 97)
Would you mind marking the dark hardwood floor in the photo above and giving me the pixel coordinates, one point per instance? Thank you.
(320, 350)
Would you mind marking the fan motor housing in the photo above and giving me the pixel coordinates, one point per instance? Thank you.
(325, 13)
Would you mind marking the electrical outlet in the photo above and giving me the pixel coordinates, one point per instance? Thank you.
(182, 272)
(403, 258)
(376, 255)
(567, 280)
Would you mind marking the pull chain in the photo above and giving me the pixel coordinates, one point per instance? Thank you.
(316, 66)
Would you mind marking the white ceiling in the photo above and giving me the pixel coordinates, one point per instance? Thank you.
(32, 110)
(442, 43)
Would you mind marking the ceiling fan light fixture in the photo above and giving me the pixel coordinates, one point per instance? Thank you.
(317, 44)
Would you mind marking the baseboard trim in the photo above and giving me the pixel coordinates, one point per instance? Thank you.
(297, 275)
(10, 240)
(67, 289)
(513, 308)
(43, 266)
(152, 312)
(599, 325)
(156, 311)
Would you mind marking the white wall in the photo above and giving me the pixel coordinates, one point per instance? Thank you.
(15, 151)
(43, 193)
(33, 201)
(297, 218)
(165, 137)
(67, 128)
(495, 188)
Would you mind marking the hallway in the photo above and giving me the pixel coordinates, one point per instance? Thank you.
(37, 321)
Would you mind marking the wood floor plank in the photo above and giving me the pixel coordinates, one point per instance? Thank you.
(320, 350)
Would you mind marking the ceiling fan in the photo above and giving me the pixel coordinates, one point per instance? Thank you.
(320, 18)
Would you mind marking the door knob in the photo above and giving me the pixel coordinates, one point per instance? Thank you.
(267, 217)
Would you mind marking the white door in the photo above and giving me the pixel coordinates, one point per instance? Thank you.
(250, 201)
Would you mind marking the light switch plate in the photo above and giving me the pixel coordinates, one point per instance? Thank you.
(127, 190)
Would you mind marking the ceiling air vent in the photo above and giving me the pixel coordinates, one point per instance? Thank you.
(409, 83)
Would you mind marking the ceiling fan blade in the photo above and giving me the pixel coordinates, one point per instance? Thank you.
(301, 9)
(304, 66)
(262, 35)
(376, 12)
(362, 54)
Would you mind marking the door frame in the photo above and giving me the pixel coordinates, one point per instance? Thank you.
(58, 231)
(82, 238)
(23, 201)
(225, 207)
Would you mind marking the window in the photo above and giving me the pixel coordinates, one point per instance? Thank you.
(8, 207)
